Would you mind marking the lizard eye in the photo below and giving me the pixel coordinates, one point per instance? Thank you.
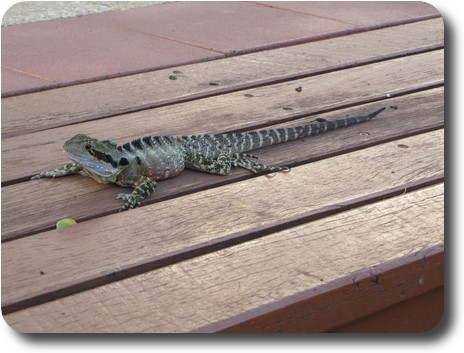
(87, 147)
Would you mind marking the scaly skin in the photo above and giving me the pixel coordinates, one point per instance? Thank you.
(142, 162)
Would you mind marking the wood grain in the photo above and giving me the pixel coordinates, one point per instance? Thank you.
(356, 226)
(26, 155)
(81, 198)
(359, 294)
(408, 316)
(233, 284)
(146, 237)
(43, 110)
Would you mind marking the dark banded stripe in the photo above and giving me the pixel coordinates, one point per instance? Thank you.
(157, 139)
(254, 139)
(127, 147)
(306, 130)
(248, 142)
(351, 121)
(291, 134)
(238, 141)
(211, 140)
(282, 135)
(230, 140)
(221, 139)
(144, 189)
(114, 164)
(273, 136)
(264, 135)
(137, 144)
(331, 125)
(123, 161)
(147, 141)
(299, 131)
(168, 140)
(104, 157)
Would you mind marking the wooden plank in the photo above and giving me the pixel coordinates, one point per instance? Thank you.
(224, 288)
(43, 110)
(349, 298)
(81, 198)
(25, 155)
(419, 314)
(84, 255)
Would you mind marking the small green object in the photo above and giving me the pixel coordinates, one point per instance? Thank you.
(65, 222)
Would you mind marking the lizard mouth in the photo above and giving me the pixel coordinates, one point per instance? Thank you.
(93, 167)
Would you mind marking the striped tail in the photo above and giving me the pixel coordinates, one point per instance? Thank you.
(270, 137)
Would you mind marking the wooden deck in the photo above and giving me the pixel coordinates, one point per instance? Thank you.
(354, 230)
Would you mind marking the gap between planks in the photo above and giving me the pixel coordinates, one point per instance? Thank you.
(45, 110)
(24, 155)
(83, 255)
(39, 210)
(222, 289)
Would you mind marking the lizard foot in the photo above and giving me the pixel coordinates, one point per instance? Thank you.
(132, 201)
(68, 169)
(247, 155)
(243, 162)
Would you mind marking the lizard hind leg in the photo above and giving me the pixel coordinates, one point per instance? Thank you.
(219, 165)
(242, 161)
(222, 164)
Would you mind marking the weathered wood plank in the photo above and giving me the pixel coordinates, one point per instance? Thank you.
(25, 155)
(346, 299)
(232, 285)
(81, 198)
(38, 111)
(416, 315)
(85, 254)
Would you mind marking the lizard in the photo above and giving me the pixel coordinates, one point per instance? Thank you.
(144, 161)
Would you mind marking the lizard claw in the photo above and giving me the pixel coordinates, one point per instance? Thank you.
(123, 197)
(133, 201)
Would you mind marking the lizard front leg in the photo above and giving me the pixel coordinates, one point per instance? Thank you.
(144, 187)
(71, 168)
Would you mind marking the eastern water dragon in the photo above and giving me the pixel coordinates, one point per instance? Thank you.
(142, 162)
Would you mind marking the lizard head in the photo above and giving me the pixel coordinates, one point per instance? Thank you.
(99, 159)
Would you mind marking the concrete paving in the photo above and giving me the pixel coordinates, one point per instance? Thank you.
(67, 51)
(35, 11)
